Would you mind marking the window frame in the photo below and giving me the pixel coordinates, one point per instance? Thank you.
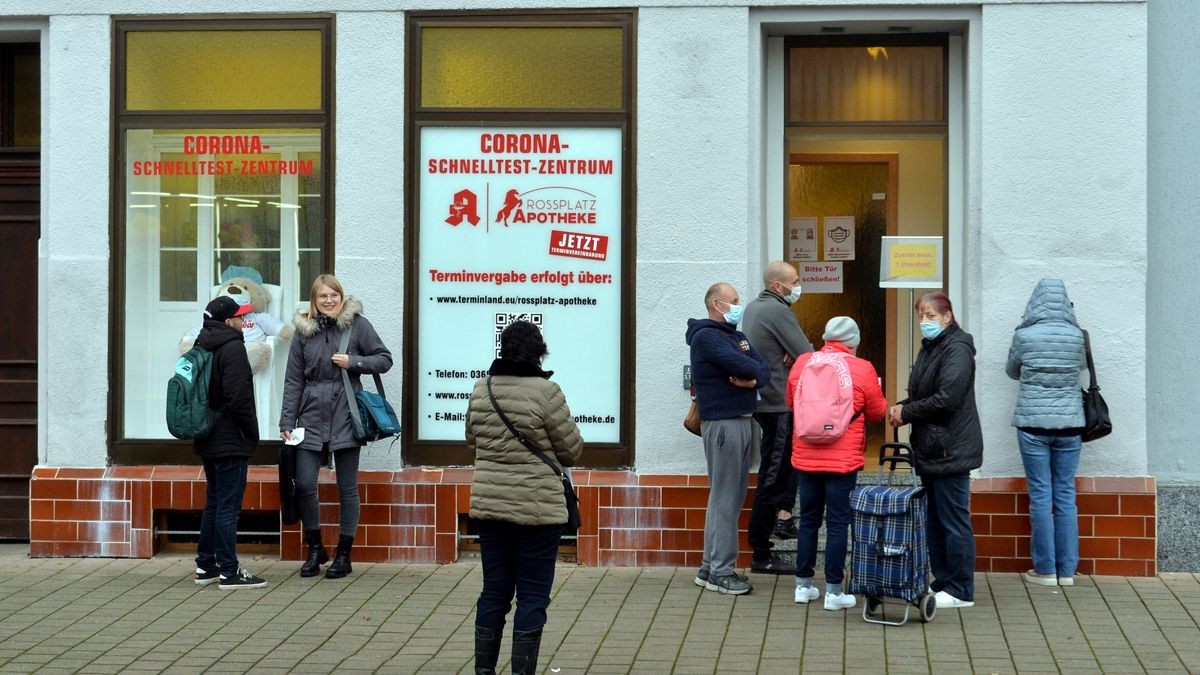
(617, 455)
(136, 451)
(941, 40)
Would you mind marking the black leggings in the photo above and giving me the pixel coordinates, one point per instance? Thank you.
(345, 461)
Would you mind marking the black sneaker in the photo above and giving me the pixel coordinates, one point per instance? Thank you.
(205, 577)
(701, 578)
(771, 565)
(242, 579)
(730, 584)
(784, 529)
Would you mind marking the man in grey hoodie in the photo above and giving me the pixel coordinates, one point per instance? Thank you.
(774, 332)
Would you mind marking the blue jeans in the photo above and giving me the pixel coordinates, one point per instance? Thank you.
(226, 483)
(1050, 465)
(776, 490)
(517, 560)
(823, 495)
(949, 536)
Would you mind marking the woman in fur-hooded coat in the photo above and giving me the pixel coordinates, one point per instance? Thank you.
(314, 399)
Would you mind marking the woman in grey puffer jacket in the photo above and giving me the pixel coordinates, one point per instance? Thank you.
(1047, 355)
(314, 398)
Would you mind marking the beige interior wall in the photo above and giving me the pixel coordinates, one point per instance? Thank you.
(921, 207)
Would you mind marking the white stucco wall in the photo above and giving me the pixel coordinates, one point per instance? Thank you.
(75, 241)
(369, 218)
(1058, 124)
(693, 163)
(1063, 186)
(1172, 303)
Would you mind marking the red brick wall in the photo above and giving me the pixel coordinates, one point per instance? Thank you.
(629, 520)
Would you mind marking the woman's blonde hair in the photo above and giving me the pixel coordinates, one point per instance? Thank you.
(329, 281)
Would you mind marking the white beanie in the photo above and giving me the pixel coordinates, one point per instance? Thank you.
(842, 329)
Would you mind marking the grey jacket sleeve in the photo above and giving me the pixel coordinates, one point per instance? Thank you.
(293, 385)
(1013, 367)
(368, 354)
(791, 336)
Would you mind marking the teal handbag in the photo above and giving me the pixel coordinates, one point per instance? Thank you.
(373, 417)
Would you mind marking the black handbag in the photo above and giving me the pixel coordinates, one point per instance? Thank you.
(1096, 423)
(372, 416)
(568, 490)
(288, 512)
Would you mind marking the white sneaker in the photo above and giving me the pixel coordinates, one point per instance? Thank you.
(1066, 581)
(806, 593)
(834, 601)
(947, 601)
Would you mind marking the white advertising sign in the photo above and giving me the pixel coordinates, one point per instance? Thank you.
(821, 277)
(519, 224)
(839, 237)
(802, 239)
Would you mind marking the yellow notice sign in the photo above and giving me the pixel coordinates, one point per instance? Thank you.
(913, 260)
(910, 262)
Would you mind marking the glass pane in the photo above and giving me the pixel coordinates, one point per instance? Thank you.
(177, 281)
(265, 262)
(178, 217)
(310, 183)
(866, 84)
(310, 269)
(197, 205)
(245, 225)
(223, 70)
(27, 101)
(490, 67)
(311, 222)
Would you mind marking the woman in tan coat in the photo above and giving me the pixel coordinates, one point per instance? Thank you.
(517, 500)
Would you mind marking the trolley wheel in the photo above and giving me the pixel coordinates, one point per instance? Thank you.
(873, 604)
(928, 607)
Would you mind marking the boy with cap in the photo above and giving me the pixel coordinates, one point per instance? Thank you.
(227, 450)
(827, 471)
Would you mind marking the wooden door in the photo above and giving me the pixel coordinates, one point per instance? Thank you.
(19, 230)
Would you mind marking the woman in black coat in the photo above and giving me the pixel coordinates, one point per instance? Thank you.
(947, 444)
(315, 399)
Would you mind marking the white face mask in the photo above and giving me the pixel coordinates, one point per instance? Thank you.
(793, 296)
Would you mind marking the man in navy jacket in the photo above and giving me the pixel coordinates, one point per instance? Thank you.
(727, 373)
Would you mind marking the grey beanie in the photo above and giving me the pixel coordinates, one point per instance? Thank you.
(843, 329)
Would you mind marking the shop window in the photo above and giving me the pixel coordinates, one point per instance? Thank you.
(526, 67)
(204, 203)
(193, 70)
(520, 186)
(864, 84)
(20, 96)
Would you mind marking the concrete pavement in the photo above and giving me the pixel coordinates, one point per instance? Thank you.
(106, 615)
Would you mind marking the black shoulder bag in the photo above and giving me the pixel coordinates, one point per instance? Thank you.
(1096, 423)
(568, 489)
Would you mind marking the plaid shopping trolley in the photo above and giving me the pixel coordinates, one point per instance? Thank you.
(890, 559)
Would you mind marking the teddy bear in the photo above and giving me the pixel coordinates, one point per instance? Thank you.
(245, 288)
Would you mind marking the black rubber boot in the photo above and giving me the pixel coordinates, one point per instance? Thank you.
(341, 559)
(317, 555)
(487, 649)
(526, 644)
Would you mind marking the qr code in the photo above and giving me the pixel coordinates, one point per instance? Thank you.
(505, 318)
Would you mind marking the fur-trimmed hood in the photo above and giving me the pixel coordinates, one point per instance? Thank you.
(308, 326)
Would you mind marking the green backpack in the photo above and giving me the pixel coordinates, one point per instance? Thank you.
(188, 414)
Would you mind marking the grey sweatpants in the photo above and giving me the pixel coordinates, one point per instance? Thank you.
(727, 451)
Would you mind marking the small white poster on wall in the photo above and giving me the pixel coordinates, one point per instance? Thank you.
(839, 237)
(821, 277)
(802, 239)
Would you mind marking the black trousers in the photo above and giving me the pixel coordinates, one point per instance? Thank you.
(517, 560)
(776, 479)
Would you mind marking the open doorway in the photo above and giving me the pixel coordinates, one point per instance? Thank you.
(866, 148)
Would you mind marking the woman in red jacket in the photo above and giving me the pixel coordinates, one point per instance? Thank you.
(828, 467)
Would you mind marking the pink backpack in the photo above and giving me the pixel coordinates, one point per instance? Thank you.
(823, 405)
